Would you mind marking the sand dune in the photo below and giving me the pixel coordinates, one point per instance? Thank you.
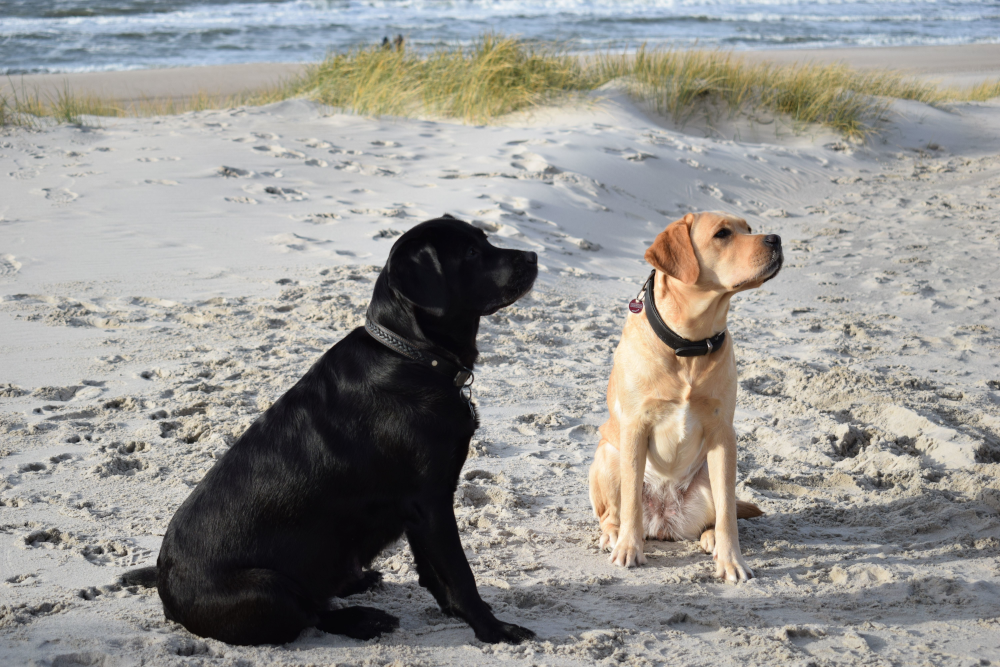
(964, 65)
(163, 280)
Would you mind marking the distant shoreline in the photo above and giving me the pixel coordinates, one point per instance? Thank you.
(960, 65)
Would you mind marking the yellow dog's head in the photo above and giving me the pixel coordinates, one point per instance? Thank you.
(716, 252)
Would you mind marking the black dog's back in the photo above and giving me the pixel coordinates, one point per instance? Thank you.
(366, 446)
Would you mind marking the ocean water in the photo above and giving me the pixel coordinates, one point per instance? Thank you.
(81, 35)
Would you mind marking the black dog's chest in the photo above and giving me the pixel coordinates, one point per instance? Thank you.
(441, 456)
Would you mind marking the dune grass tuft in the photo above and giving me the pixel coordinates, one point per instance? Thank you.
(987, 90)
(681, 83)
(498, 75)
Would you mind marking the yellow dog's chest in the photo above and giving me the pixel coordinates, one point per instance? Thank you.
(676, 446)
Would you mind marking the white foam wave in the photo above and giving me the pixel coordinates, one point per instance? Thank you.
(302, 30)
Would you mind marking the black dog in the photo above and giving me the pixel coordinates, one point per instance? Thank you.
(367, 446)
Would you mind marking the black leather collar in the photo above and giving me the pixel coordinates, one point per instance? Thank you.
(459, 374)
(682, 347)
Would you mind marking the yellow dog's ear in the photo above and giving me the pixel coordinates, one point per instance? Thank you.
(673, 253)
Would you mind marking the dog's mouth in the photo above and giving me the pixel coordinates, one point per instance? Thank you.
(769, 271)
(514, 290)
(774, 266)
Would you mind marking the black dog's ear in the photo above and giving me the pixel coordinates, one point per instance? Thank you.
(416, 274)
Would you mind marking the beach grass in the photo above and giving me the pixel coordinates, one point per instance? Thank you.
(27, 107)
(496, 76)
(499, 75)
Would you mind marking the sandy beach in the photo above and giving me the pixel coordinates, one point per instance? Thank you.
(163, 280)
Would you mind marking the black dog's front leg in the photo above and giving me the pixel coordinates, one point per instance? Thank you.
(445, 572)
(429, 579)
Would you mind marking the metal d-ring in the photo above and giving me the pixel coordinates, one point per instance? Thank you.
(465, 391)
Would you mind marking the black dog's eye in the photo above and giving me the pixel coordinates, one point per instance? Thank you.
(472, 251)
(723, 233)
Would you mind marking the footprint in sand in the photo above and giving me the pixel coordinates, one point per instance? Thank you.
(717, 193)
(161, 181)
(630, 154)
(56, 393)
(315, 143)
(279, 151)
(298, 242)
(382, 212)
(242, 200)
(583, 190)
(233, 172)
(59, 195)
(8, 266)
(29, 579)
(24, 173)
(322, 218)
(8, 390)
(532, 162)
(288, 194)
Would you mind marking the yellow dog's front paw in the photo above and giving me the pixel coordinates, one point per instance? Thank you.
(628, 552)
(609, 538)
(732, 568)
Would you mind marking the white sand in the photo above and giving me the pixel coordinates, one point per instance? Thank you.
(151, 307)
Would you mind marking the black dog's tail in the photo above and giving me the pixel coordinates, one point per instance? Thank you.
(144, 576)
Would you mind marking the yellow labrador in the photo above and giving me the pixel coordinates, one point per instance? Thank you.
(666, 464)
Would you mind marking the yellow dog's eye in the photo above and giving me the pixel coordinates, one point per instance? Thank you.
(723, 233)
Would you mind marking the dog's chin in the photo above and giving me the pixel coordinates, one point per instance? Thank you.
(773, 268)
(769, 271)
(511, 294)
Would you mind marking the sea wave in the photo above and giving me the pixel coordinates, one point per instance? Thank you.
(64, 35)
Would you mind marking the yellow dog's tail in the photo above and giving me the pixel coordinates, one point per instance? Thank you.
(745, 510)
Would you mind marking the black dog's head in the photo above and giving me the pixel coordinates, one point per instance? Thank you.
(447, 275)
(446, 266)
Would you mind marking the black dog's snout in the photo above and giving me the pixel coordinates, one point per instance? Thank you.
(772, 240)
(531, 257)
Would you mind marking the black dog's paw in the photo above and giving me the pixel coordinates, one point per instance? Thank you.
(504, 632)
(358, 622)
(368, 580)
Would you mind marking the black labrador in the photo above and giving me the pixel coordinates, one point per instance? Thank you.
(365, 448)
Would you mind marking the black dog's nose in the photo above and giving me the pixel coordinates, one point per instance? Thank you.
(531, 257)
(772, 240)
